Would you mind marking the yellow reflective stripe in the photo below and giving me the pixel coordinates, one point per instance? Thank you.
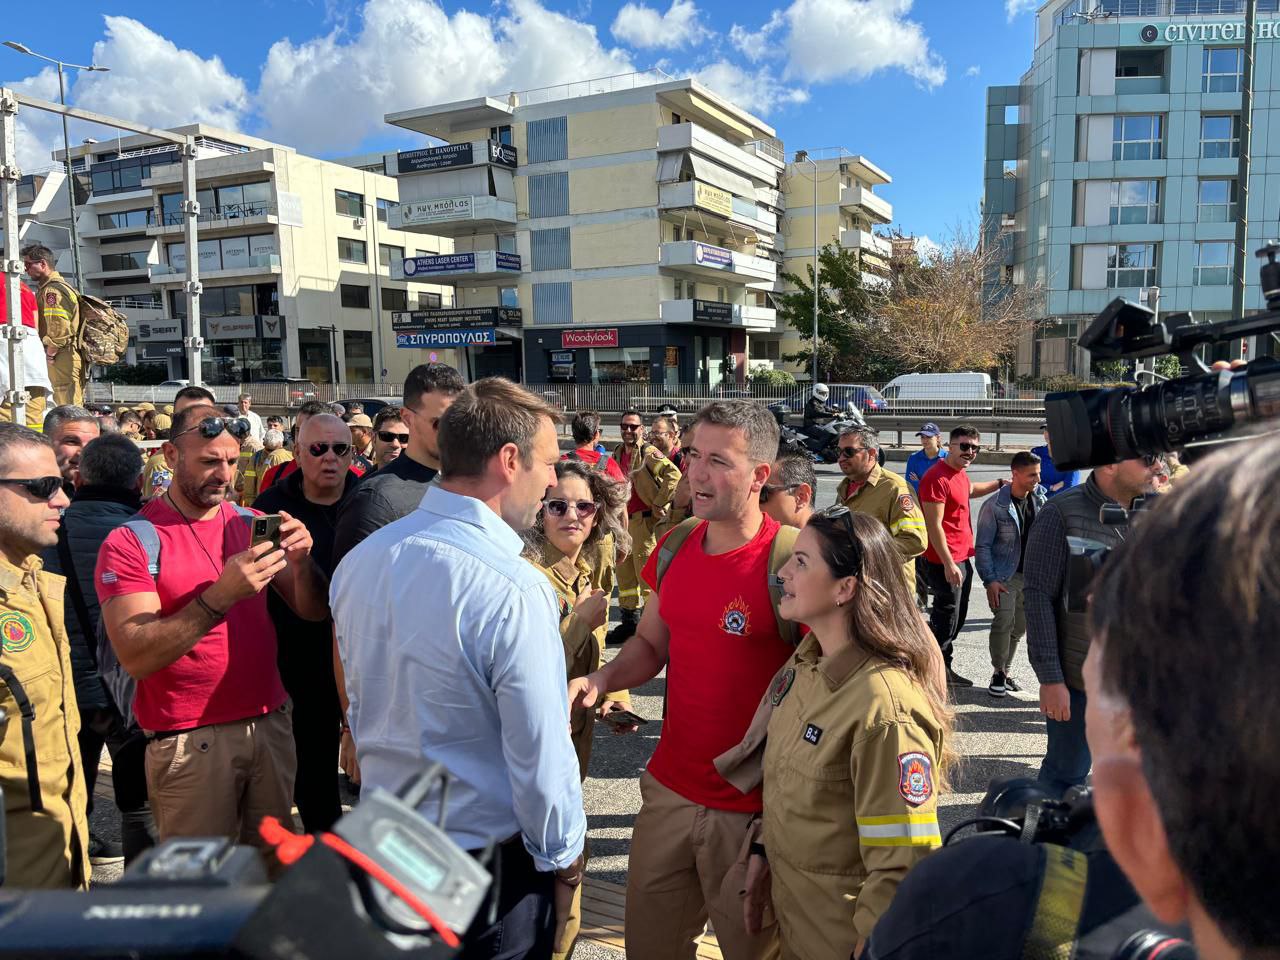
(906, 523)
(628, 592)
(898, 818)
(933, 840)
(900, 830)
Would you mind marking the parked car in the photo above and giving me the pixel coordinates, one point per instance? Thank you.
(373, 405)
(864, 397)
(948, 394)
(298, 390)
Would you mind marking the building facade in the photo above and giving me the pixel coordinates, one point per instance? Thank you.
(295, 258)
(619, 230)
(1113, 166)
(44, 214)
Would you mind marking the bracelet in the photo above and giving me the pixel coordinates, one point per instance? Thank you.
(214, 614)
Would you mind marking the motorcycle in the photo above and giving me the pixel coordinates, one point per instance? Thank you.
(790, 440)
(821, 440)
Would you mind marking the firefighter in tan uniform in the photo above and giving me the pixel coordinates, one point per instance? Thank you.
(59, 325)
(653, 484)
(869, 488)
(849, 744)
(46, 833)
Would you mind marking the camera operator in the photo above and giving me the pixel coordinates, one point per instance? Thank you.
(1057, 640)
(1185, 782)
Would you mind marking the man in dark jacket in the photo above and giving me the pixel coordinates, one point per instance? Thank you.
(110, 474)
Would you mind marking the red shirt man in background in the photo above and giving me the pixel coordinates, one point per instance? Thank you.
(586, 434)
(35, 363)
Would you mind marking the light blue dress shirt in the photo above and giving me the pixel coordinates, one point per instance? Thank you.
(450, 642)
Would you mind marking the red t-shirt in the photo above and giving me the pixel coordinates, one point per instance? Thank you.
(29, 305)
(591, 456)
(948, 486)
(724, 650)
(635, 504)
(230, 674)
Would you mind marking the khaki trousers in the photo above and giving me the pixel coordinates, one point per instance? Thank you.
(633, 591)
(35, 409)
(1008, 624)
(684, 870)
(65, 374)
(221, 780)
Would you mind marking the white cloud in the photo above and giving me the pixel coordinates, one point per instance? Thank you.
(852, 39)
(38, 133)
(757, 45)
(755, 89)
(927, 249)
(644, 27)
(1014, 8)
(331, 92)
(973, 71)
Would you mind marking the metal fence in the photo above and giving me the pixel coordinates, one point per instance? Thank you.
(265, 395)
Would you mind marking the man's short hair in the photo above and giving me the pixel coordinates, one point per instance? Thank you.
(111, 461)
(869, 436)
(487, 416)
(130, 417)
(965, 431)
(1187, 612)
(192, 415)
(633, 412)
(354, 408)
(38, 251)
(245, 396)
(388, 414)
(15, 435)
(669, 420)
(753, 419)
(67, 413)
(1023, 458)
(311, 408)
(431, 378)
(585, 426)
(108, 424)
(194, 393)
(793, 470)
(273, 439)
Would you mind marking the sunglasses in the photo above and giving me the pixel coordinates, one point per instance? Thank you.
(850, 452)
(1151, 459)
(558, 508)
(839, 512)
(320, 449)
(769, 489)
(386, 436)
(630, 427)
(969, 447)
(42, 488)
(211, 427)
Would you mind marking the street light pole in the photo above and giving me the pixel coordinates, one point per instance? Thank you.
(376, 261)
(801, 157)
(66, 143)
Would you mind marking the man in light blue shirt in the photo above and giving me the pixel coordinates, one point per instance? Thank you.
(450, 643)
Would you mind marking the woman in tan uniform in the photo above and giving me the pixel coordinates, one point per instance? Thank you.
(856, 752)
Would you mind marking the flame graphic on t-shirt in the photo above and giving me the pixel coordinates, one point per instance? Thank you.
(736, 618)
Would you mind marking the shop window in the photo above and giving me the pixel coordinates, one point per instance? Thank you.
(620, 365)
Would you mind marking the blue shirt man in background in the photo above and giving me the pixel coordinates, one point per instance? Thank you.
(930, 452)
(1053, 480)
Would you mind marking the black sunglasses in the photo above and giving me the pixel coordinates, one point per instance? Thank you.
(211, 427)
(630, 426)
(42, 488)
(386, 436)
(320, 449)
(769, 489)
(558, 507)
(969, 447)
(850, 452)
(839, 512)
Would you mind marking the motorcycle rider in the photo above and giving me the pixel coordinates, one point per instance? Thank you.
(817, 412)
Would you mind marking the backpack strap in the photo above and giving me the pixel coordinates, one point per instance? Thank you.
(602, 464)
(87, 627)
(671, 546)
(28, 714)
(145, 531)
(779, 553)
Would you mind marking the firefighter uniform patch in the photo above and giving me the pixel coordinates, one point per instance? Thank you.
(915, 778)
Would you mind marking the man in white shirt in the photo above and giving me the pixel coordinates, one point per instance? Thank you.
(255, 421)
(458, 660)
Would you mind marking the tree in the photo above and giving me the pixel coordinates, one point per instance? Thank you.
(849, 335)
(953, 311)
(767, 377)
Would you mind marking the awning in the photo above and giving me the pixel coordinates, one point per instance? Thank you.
(722, 177)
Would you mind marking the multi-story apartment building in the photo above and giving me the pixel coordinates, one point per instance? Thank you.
(831, 189)
(44, 214)
(295, 258)
(614, 230)
(1112, 167)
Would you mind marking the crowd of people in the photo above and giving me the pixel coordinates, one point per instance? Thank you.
(439, 589)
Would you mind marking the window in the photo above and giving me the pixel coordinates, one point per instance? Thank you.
(384, 208)
(393, 299)
(1131, 265)
(1219, 137)
(1137, 137)
(1222, 69)
(548, 139)
(1213, 263)
(1135, 201)
(125, 218)
(430, 301)
(1217, 201)
(388, 254)
(549, 195)
(349, 204)
(552, 303)
(119, 176)
(124, 261)
(1139, 63)
(351, 251)
(549, 249)
(354, 295)
(501, 134)
(222, 203)
(766, 349)
(620, 365)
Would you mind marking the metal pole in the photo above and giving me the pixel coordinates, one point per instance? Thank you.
(13, 330)
(193, 341)
(815, 268)
(71, 189)
(377, 291)
(1246, 145)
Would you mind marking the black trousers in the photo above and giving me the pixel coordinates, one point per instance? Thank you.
(524, 926)
(950, 604)
(128, 750)
(306, 668)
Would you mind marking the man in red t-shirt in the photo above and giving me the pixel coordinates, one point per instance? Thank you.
(711, 624)
(586, 434)
(198, 639)
(945, 492)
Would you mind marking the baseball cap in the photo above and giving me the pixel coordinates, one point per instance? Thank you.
(361, 420)
(162, 421)
(144, 406)
(929, 430)
(167, 409)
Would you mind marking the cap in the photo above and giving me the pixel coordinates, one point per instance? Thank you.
(121, 411)
(1044, 425)
(145, 406)
(167, 408)
(162, 421)
(361, 420)
(929, 430)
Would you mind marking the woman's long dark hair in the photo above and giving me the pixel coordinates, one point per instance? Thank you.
(882, 617)
(610, 497)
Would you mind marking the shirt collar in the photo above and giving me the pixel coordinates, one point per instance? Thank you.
(12, 578)
(568, 571)
(835, 670)
(469, 510)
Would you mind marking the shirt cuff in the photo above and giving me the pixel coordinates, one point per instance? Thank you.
(548, 862)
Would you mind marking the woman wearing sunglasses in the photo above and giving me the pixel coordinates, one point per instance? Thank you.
(855, 752)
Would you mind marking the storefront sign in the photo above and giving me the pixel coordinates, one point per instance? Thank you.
(456, 318)
(413, 340)
(507, 261)
(161, 351)
(272, 327)
(704, 254)
(712, 198)
(562, 356)
(231, 328)
(445, 263)
(152, 332)
(434, 158)
(1208, 32)
(709, 311)
(434, 211)
(502, 154)
(572, 339)
(289, 208)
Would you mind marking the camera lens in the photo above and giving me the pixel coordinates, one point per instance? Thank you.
(1151, 944)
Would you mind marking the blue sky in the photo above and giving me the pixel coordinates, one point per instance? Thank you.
(902, 82)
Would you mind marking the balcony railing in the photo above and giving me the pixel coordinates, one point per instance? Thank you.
(230, 211)
(1092, 10)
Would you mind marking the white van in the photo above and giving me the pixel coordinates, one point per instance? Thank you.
(949, 394)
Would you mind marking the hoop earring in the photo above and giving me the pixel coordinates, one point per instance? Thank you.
(839, 603)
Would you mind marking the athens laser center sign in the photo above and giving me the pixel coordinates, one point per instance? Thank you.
(1207, 32)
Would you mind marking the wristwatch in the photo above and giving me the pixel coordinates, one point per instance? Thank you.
(571, 875)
